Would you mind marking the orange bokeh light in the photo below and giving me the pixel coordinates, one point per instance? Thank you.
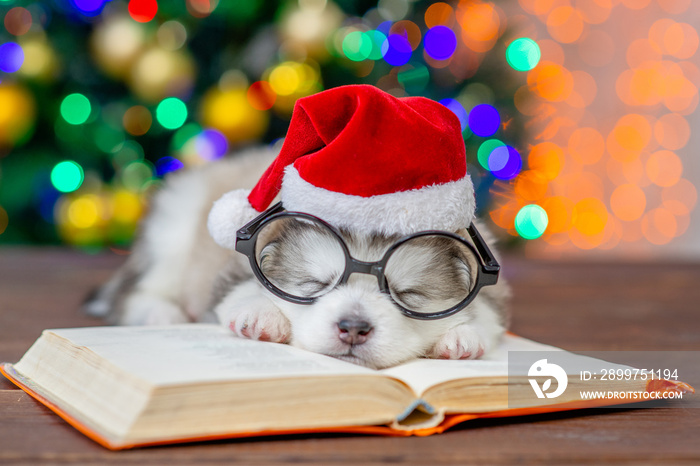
(680, 199)
(586, 146)
(594, 11)
(590, 216)
(659, 226)
(664, 168)
(672, 131)
(551, 81)
(565, 24)
(546, 158)
(439, 14)
(681, 40)
(560, 213)
(628, 202)
(482, 24)
(551, 51)
(408, 30)
(530, 185)
(641, 51)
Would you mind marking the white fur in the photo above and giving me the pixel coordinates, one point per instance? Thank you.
(176, 264)
(229, 213)
(449, 206)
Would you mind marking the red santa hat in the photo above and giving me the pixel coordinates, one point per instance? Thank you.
(364, 160)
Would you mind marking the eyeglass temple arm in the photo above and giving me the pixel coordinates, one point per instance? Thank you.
(491, 265)
(245, 232)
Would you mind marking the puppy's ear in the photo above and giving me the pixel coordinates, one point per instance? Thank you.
(229, 213)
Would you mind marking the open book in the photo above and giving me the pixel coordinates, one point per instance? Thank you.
(134, 386)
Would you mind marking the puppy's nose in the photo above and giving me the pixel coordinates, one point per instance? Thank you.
(354, 332)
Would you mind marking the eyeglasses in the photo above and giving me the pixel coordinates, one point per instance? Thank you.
(428, 275)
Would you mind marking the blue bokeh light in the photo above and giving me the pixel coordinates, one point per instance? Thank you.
(458, 110)
(11, 57)
(385, 27)
(167, 164)
(505, 162)
(89, 7)
(396, 50)
(484, 120)
(440, 42)
(211, 144)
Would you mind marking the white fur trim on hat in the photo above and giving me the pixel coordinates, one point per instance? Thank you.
(229, 213)
(449, 206)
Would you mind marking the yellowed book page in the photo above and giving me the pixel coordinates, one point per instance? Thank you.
(422, 374)
(201, 353)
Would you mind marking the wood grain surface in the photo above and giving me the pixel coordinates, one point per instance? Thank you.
(577, 306)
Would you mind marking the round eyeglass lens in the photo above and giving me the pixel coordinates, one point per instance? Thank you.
(431, 273)
(299, 256)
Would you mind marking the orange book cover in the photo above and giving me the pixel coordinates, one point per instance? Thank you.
(450, 420)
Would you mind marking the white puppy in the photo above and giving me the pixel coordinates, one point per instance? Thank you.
(177, 273)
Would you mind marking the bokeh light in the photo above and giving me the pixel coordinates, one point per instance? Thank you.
(357, 46)
(523, 54)
(440, 42)
(171, 113)
(18, 21)
(531, 221)
(599, 98)
(396, 50)
(11, 57)
(143, 11)
(67, 176)
(261, 96)
(168, 164)
(137, 120)
(211, 144)
(505, 162)
(76, 109)
(458, 110)
(484, 120)
(485, 149)
(89, 7)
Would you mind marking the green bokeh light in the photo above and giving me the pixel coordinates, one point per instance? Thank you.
(75, 109)
(485, 150)
(171, 113)
(414, 80)
(531, 221)
(67, 176)
(377, 39)
(357, 46)
(523, 54)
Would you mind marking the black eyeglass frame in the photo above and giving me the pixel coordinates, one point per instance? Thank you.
(487, 275)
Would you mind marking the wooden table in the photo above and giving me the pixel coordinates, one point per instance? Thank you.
(589, 306)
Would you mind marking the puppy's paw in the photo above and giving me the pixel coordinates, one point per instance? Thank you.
(262, 324)
(254, 317)
(461, 342)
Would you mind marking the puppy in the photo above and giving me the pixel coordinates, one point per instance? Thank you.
(177, 273)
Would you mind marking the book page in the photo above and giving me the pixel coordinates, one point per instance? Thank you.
(193, 353)
(422, 374)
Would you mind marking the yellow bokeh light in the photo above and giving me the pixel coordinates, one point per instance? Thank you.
(126, 207)
(84, 211)
(284, 79)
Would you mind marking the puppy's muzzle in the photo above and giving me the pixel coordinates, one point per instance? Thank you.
(354, 332)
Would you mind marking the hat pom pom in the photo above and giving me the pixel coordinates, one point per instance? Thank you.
(229, 213)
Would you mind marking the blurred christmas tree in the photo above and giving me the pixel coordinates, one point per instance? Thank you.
(100, 99)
